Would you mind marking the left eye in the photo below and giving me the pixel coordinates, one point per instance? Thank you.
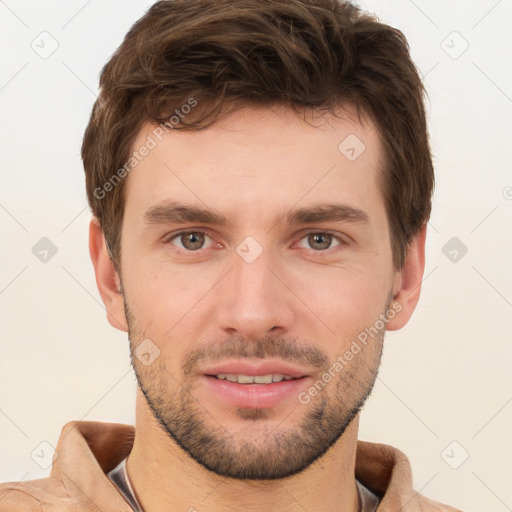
(190, 241)
(320, 241)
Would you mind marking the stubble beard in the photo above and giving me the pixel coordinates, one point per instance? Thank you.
(266, 452)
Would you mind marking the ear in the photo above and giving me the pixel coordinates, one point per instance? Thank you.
(408, 282)
(107, 279)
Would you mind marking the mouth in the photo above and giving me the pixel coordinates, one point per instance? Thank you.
(253, 379)
(254, 385)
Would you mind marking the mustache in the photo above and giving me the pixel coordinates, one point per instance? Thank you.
(269, 347)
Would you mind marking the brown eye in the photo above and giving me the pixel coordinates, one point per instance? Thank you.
(320, 241)
(190, 241)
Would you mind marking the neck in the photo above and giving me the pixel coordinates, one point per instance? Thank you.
(165, 478)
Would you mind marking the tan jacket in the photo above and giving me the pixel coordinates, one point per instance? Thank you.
(87, 450)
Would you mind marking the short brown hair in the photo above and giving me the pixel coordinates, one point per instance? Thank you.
(302, 53)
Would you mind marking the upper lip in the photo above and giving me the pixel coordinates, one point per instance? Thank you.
(244, 367)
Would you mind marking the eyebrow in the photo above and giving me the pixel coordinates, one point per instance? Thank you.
(177, 213)
(171, 212)
(327, 213)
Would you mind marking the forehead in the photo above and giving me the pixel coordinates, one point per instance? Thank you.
(259, 156)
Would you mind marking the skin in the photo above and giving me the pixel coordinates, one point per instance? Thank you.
(254, 167)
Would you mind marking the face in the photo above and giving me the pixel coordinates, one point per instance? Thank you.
(255, 257)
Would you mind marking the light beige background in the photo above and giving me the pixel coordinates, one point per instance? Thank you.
(446, 377)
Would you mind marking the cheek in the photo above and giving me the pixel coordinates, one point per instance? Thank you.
(165, 300)
(355, 291)
(154, 284)
(346, 301)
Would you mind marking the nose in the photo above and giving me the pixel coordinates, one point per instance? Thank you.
(253, 299)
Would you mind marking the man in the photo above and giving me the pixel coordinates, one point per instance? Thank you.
(260, 178)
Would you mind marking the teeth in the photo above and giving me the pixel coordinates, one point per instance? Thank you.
(263, 379)
(250, 379)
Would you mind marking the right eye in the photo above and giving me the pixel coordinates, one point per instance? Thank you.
(189, 240)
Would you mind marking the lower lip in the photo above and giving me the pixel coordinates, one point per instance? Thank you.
(254, 396)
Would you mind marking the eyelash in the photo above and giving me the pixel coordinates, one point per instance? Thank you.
(341, 241)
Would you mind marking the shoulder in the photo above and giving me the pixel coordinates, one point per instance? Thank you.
(387, 472)
(31, 495)
(420, 503)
